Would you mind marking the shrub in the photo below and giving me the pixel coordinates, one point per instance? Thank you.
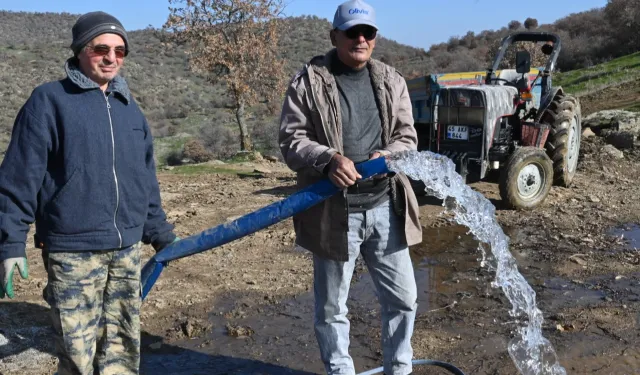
(221, 141)
(194, 150)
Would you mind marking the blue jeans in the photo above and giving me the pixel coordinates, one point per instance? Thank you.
(377, 234)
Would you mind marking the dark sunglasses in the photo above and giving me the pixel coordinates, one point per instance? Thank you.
(103, 50)
(368, 32)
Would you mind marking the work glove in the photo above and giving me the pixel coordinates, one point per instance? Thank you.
(6, 274)
(160, 248)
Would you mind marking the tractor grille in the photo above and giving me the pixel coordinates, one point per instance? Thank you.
(461, 116)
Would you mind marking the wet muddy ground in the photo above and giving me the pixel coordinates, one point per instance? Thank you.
(247, 307)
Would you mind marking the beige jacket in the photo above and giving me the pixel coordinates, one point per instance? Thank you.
(311, 133)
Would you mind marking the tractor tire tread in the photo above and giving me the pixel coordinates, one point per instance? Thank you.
(559, 115)
(509, 178)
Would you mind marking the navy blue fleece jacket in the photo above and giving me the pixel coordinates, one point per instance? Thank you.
(80, 165)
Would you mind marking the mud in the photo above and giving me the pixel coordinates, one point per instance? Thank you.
(247, 307)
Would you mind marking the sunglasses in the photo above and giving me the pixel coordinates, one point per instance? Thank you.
(103, 50)
(368, 32)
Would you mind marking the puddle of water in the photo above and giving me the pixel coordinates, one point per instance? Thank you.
(283, 331)
(446, 267)
(630, 233)
(440, 262)
(278, 340)
(440, 265)
(623, 289)
(559, 293)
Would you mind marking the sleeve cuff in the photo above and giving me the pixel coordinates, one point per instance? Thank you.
(12, 251)
(323, 160)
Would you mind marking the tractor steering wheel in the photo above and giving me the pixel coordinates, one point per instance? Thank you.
(501, 79)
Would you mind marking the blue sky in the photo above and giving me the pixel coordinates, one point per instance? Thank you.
(418, 23)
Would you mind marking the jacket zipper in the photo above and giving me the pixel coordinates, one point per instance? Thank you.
(115, 176)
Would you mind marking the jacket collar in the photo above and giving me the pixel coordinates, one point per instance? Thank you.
(319, 67)
(117, 85)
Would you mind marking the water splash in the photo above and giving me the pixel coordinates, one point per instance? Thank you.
(530, 351)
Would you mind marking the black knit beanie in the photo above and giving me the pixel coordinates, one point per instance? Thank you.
(92, 24)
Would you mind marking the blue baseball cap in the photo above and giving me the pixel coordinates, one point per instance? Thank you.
(352, 13)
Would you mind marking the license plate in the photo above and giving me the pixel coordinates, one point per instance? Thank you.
(458, 132)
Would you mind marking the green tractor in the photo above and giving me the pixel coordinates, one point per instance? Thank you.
(513, 121)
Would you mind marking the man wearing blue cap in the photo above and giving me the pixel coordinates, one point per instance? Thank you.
(80, 165)
(345, 108)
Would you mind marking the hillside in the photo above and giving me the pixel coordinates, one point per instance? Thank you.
(34, 47)
(180, 104)
(588, 80)
(611, 85)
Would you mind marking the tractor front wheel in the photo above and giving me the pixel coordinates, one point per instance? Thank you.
(526, 180)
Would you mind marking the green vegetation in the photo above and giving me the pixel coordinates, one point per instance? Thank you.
(167, 147)
(588, 80)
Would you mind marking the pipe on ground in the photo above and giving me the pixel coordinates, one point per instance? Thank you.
(249, 223)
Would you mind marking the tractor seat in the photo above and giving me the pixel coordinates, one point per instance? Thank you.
(510, 75)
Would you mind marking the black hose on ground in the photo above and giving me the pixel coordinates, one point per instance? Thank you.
(429, 362)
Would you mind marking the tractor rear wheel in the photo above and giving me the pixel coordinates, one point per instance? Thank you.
(563, 144)
(526, 179)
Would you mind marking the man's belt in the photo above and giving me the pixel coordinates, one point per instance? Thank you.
(368, 186)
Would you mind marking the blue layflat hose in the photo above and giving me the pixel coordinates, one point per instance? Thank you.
(250, 223)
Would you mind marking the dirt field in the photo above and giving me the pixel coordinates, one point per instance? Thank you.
(626, 95)
(246, 307)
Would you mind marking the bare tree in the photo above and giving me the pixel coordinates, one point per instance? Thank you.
(235, 41)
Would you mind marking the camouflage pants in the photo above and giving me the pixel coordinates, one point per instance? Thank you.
(95, 306)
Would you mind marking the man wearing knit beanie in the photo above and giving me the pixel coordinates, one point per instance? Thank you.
(92, 34)
(91, 25)
(80, 165)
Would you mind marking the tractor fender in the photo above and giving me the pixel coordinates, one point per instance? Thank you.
(547, 99)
